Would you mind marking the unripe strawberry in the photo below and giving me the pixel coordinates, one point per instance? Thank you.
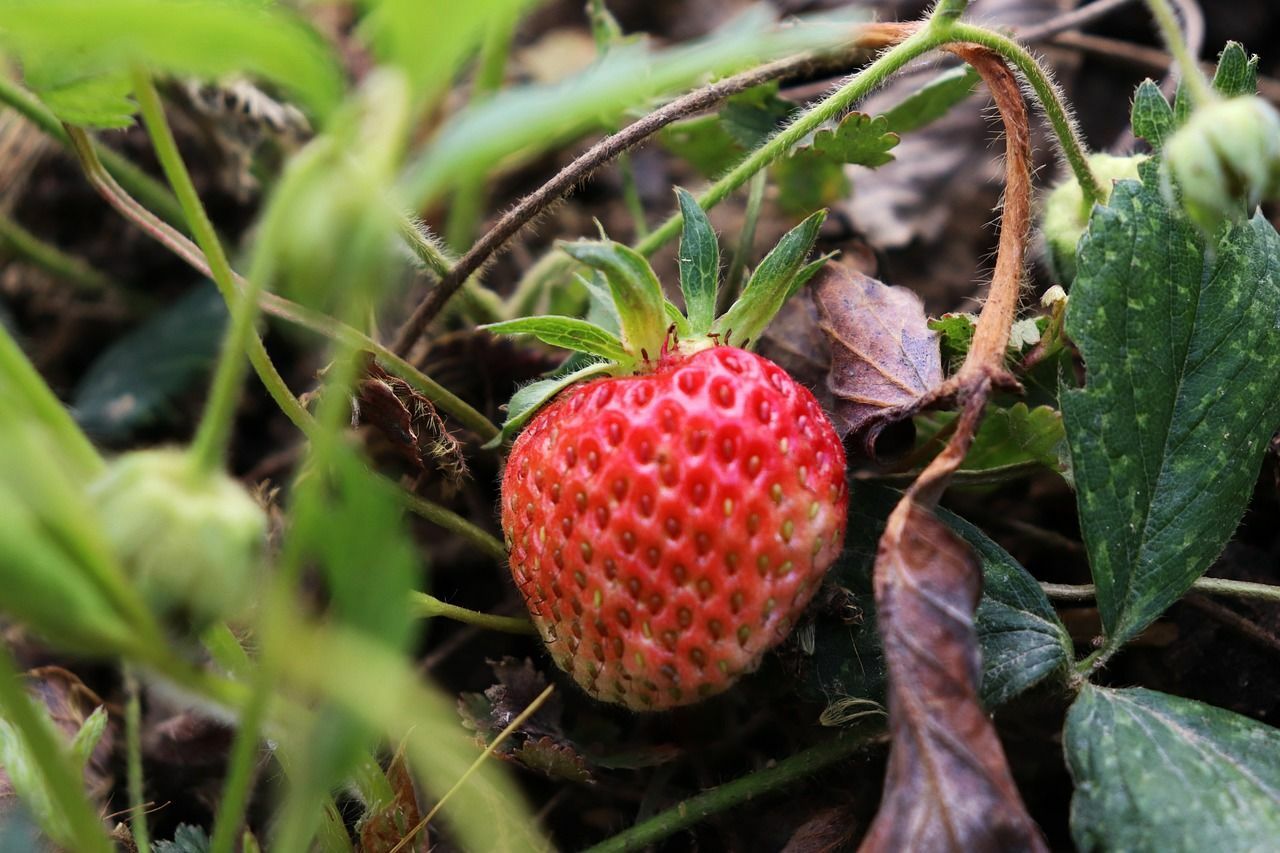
(1065, 215)
(192, 541)
(667, 525)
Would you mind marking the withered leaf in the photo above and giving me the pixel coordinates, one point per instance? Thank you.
(948, 786)
(553, 759)
(884, 356)
(381, 829)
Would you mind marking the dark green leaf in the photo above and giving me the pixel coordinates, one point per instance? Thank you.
(1157, 773)
(704, 143)
(770, 284)
(808, 180)
(135, 382)
(567, 332)
(753, 116)
(1237, 72)
(858, 139)
(1014, 435)
(637, 294)
(186, 839)
(1022, 640)
(932, 100)
(699, 264)
(1167, 436)
(78, 39)
(526, 402)
(1152, 116)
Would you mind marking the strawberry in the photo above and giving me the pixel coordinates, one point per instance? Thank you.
(667, 523)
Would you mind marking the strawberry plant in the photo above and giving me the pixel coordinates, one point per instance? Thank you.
(273, 576)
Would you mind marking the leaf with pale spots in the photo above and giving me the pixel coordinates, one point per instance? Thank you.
(884, 357)
(1157, 772)
(1167, 436)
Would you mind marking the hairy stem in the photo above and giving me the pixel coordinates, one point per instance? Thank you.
(1055, 107)
(1213, 586)
(868, 37)
(739, 791)
(428, 607)
(209, 447)
(1198, 87)
(133, 760)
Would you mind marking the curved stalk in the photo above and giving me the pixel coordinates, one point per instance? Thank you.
(1198, 87)
(429, 607)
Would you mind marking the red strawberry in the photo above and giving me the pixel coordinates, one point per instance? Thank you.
(666, 526)
(667, 529)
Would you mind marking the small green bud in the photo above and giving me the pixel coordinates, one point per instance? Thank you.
(192, 542)
(1065, 216)
(1225, 160)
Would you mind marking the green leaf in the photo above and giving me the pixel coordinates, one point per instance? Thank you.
(932, 100)
(637, 294)
(753, 116)
(136, 382)
(1167, 436)
(1159, 773)
(98, 100)
(566, 332)
(808, 180)
(770, 284)
(1152, 117)
(699, 264)
(186, 839)
(1022, 640)
(88, 735)
(1013, 435)
(525, 403)
(858, 139)
(78, 39)
(703, 143)
(1237, 72)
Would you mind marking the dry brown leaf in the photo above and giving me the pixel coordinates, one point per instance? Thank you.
(381, 830)
(948, 786)
(828, 831)
(884, 356)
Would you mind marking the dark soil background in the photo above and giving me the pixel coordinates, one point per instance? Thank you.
(924, 222)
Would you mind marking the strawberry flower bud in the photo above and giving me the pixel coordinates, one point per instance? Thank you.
(192, 542)
(1065, 216)
(1225, 160)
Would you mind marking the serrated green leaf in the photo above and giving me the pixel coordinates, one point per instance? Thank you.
(699, 264)
(1152, 117)
(78, 39)
(637, 294)
(1237, 72)
(186, 839)
(1022, 640)
(770, 284)
(525, 403)
(1013, 435)
(932, 100)
(807, 180)
(1167, 435)
(1160, 773)
(135, 383)
(703, 143)
(566, 332)
(859, 139)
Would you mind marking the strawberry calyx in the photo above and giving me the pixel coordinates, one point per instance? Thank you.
(632, 327)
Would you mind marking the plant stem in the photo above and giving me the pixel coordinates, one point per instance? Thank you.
(429, 607)
(1198, 87)
(870, 77)
(53, 260)
(133, 750)
(735, 793)
(62, 780)
(948, 11)
(240, 767)
(454, 523)
(631, 195)
(1213, 586)
(1055, 107)
(746, 238)
(424, 247)
(139, 183)
(209, 446)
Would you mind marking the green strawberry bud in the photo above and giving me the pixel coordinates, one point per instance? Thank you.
(1065, 216)
(192, 542)
(1225, 159)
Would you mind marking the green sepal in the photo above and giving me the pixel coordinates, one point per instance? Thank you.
(1237, 72)
(770, 285)
(1152, 117)
(567, 332)
(637, 295)
(699, 264)
(525, 402)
